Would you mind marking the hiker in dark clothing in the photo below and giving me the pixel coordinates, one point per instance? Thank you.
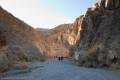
(60, 58)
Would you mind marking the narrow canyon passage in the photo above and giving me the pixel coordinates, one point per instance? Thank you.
(60, 70)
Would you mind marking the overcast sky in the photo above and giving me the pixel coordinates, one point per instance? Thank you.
(46, 13)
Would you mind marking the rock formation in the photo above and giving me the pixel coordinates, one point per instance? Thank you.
(18, 41)
(99, 44)
(94, 36)
(60, 40)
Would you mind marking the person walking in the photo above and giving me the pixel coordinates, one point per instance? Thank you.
(62, 58)
(59, 58)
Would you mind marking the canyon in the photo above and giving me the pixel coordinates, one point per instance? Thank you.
(20, 43)
(60, 40)
(92, 40)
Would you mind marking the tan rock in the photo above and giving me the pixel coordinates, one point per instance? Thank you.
(22, 41)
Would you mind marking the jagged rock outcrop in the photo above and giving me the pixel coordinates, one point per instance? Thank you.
(60, 40)
(99, 44)
(18, 41)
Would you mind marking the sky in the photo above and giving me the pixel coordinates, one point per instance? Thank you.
(46, 13)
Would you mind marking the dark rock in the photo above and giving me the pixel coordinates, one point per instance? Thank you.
(109, 4)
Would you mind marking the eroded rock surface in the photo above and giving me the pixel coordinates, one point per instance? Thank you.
(60, 40)
(99, 44)
(18, 41)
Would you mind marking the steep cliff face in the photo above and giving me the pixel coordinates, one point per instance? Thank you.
(18, 41)
(99, 44)
(57, 41)
(60, 40)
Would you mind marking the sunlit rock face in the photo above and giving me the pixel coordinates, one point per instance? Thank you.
(99, 44)
(18, 41)
(60, 40)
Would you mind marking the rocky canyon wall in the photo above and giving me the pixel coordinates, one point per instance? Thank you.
(99, 44)
(18, 41)
(60, 40)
